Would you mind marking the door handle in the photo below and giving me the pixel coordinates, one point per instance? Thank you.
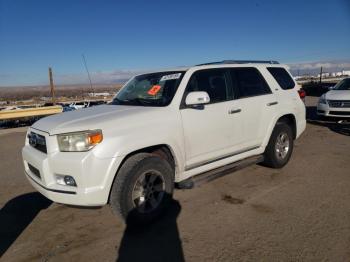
(272, 103)
(234, 111)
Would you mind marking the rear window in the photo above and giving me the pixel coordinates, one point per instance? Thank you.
(282, 77)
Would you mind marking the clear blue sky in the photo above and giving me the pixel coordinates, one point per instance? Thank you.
(130, 35)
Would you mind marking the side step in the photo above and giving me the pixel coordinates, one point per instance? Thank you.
(218, 172)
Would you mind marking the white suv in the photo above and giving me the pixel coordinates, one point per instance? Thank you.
(181, 126)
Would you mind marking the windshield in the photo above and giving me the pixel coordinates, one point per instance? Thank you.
(343, 85)
(156, 89)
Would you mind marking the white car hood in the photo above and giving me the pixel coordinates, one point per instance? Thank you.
(96, 117)
(338, 95)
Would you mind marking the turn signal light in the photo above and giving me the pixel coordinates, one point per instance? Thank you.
(95, 138)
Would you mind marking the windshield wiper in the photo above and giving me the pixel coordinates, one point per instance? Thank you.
(134, 101)
(117, 101)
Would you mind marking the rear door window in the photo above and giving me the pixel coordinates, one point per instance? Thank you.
(282, 77)
(248, 82)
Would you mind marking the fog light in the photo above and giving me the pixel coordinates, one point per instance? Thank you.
(69, 181)
(65, 180)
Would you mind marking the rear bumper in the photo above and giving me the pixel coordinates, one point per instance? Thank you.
(301, 126)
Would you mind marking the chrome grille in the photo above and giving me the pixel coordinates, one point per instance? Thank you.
(339, 103)
(339, 113)
(37, 141)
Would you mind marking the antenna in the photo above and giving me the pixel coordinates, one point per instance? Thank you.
(87, 70)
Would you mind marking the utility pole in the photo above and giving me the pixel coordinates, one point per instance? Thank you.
(321, 75)
(52, 88)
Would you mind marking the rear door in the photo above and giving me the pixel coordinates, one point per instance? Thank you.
(257, 103)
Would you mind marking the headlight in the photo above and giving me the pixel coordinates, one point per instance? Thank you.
(322, 100)
(79, 141)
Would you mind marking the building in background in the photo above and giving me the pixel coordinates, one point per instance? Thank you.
(346, 72)
(103, 94)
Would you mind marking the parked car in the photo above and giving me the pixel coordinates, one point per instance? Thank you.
(336, 102)
(164, 128)
(10, 108)
(67, 108)
(94, 103)
(78, 105)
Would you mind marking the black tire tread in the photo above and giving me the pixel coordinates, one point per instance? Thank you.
(269, 154)
(122, 180)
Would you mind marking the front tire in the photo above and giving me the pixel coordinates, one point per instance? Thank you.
(280, 146)
(142, 189)
(322, 118)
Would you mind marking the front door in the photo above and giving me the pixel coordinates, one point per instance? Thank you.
(213, 131)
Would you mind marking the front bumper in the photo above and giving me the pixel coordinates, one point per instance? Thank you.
(93, 175)
(326, 110)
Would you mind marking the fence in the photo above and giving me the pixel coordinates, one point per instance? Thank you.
(29, 112)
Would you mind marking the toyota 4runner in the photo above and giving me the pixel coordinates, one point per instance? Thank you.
(174, 127)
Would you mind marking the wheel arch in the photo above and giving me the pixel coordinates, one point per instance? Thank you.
(291, 121)
(288, 118)
(277, 154)
(164, 151)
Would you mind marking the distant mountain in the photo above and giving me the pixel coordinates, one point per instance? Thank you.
(313, 68)
(16, 93)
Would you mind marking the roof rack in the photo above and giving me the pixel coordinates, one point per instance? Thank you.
(241, 62)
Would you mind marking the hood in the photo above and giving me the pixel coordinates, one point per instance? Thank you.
(338, 95)
(96, 117)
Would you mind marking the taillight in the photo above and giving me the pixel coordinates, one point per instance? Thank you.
(302, 93)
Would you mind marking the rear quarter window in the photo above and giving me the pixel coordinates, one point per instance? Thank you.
(282, 77)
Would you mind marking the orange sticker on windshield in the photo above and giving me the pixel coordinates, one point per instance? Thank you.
(154, 90)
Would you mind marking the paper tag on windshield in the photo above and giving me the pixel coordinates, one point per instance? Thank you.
(170, 77)
(154, 90)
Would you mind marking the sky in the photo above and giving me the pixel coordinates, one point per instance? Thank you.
(122, 38)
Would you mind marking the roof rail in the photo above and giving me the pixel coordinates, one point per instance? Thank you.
(241, 62)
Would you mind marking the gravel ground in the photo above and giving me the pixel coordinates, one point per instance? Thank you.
(298, 213)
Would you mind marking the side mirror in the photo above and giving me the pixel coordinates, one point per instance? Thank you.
(197, 98)
(330, 87)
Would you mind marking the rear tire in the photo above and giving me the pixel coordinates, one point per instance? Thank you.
(280, 146)
(142, 189)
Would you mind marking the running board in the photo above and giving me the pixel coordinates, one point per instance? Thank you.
(219, 172)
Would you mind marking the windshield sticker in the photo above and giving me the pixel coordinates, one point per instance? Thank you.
(170, 77)
(154, 90)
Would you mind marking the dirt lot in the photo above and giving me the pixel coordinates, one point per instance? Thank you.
(298, 213)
